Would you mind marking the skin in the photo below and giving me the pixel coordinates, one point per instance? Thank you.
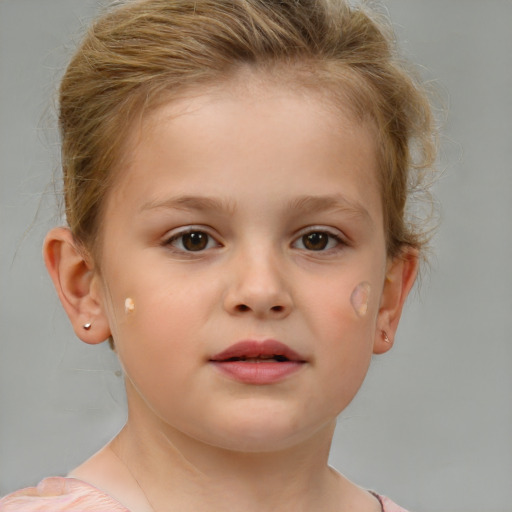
(254, 171)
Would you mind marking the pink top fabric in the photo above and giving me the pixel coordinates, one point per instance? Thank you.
(57, 494)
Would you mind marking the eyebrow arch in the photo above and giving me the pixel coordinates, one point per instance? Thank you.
(333, 202)
(306, 204)
(199, 203)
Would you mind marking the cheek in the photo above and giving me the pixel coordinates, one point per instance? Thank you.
(345, 353)
(161, 319)
(158, 346)
(346, 308)
(165, 321)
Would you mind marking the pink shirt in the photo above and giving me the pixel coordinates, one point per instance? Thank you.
(59, 494)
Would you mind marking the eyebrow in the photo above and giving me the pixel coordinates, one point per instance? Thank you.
(334, 202)
(305, 204)
(200, 203)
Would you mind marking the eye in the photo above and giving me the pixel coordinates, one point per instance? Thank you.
(317, 241)
(192, 241)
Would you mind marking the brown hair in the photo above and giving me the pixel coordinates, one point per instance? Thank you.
(143, 52)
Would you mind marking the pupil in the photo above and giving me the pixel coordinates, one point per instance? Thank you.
(196, 241)
(315, 241)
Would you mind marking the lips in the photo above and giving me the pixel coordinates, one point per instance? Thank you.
(258, 362)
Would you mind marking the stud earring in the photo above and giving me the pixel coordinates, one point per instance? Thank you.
(385, 336)
(87, 326)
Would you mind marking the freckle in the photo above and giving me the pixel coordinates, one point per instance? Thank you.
(359, 298)
(129, 305)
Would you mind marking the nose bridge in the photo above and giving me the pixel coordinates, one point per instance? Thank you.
(258, 283)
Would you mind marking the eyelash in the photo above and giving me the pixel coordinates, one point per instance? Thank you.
(334, 241)
(178, 240)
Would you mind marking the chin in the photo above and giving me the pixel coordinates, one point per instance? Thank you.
(262, 434)
(259, 444)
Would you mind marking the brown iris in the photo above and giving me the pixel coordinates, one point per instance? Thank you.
(195, 241)
(315, 241)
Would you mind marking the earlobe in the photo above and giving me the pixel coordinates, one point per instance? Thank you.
(400, 277)
(76, 284)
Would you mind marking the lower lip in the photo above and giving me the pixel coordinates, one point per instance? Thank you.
(258, 373)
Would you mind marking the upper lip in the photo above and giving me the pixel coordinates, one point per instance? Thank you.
(254, 349)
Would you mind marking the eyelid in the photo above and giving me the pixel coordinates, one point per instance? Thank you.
(315, 228)
(177, 233)
(330, 231)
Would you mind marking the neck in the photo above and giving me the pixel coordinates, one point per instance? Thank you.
(171, 468)
(174, 471)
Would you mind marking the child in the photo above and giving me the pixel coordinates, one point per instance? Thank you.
(235, 176)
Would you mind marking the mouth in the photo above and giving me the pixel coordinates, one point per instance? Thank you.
(258, 362)
(260, 359)
(258, 351)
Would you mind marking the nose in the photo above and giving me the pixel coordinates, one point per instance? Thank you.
(257, 287)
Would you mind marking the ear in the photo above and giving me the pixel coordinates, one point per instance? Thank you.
(78, 285)
(400, 276)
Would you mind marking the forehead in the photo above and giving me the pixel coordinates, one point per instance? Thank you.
(342, 98)
(244, 129)
(263, 94)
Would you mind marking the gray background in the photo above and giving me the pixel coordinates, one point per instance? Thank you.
(432, 426)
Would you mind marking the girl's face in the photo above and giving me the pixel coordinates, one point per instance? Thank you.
(239, 229)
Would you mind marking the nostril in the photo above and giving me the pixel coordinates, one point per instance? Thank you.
(273, 310)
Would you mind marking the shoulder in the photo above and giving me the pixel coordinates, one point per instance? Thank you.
(59, 494)
(388, 505)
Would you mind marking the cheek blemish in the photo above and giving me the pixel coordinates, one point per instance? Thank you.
(129, 305)
(359, 298)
